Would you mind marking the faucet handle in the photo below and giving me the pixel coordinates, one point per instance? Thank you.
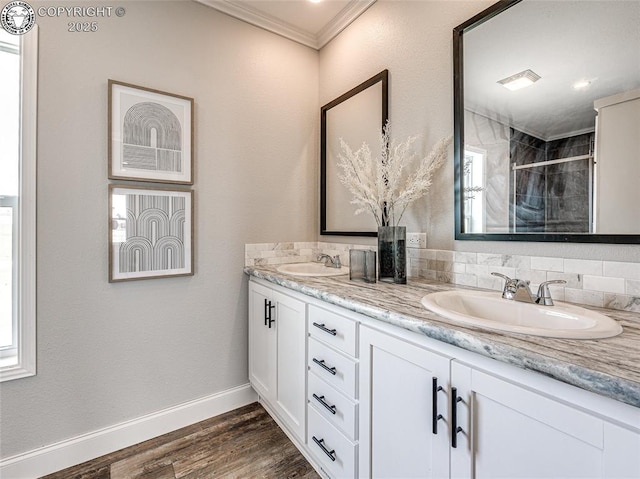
(509, 289)
(336, 261)
(544, 295)
(503, 276)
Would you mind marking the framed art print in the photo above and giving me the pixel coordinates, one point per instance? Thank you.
(150, 135)
(150, 232)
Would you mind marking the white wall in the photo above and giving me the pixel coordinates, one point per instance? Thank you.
(112, 352)
(413, 39)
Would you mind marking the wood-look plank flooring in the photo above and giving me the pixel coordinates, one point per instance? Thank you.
(244, 443)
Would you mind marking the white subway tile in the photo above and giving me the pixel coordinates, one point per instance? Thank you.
(604, 284)
(521, 262)
(632, 287)
(465, 257)
(444, 255)
(583, 266)
(547, 264)
(533, 275)
(477, 269)
(622, 302)
(459, 268)
(491, 259)
(619, 269)
(580, 296)
(465, 279)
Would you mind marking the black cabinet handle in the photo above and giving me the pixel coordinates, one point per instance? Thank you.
(320, 399)
(332, 332)
(320, 443)
(455, 429)
(267, 313)
(266, 310)
(434, 400)
(320, 362)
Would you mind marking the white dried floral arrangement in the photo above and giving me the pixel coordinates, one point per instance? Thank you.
(382, 185)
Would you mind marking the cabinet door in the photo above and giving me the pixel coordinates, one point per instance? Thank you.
(397, 439)
(622, 450)
(291, 366)
(262, 342)
(509, 431)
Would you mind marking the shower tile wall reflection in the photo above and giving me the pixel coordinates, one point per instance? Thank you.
(553, 198)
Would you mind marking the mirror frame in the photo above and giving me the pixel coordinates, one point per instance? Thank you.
(458, 146)
(383, 77)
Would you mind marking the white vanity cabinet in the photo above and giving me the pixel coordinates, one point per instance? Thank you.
(400, 397)
(483, 424)
(277, 346)
(511, 430)
(363, 398)
(332, 391)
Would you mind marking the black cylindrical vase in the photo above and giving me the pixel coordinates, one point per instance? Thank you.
(392, 254)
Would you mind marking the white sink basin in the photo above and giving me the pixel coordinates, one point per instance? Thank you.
(311, 269)
(489, 310)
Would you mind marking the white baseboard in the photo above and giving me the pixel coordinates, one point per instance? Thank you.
(70, 452)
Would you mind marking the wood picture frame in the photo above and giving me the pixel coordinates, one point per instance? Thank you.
(150, 135)
(151, 232)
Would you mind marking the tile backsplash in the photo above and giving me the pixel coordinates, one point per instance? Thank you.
(263, 254)
(609, 284)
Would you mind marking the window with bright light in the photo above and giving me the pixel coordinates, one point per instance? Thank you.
(474, 198)
(18, 88)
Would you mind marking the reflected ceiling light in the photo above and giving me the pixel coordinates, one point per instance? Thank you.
(520, 80)
(315, 1)
(579, 85)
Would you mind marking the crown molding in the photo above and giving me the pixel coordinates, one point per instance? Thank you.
(341, 21)
(241, 11)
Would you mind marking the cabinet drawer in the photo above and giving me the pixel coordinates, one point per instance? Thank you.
(333, 451)
(336, 330)
(337, 408)
(335, 368)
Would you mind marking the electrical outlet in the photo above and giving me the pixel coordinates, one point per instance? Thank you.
(417, 240)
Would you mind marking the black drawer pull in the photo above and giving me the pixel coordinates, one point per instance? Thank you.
(332, 332)
(320, 399)
(434, 398)
(455, 429)
(321, 363)
(320, 443)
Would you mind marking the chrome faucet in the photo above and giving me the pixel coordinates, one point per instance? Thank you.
(518, 290)
(329, 262)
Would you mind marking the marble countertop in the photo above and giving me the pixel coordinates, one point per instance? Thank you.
(610, 367)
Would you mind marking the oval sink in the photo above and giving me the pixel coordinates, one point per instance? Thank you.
(311, 269)
(490, 310)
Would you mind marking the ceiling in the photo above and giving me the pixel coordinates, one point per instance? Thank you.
(563, 42)
(312, 24)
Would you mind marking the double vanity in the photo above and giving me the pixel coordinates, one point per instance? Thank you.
(369, 382)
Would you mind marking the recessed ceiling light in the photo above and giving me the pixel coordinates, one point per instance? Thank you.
(520, 80)
(315, 1)
(579, 85)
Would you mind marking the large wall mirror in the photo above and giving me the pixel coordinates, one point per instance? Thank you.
(356, 116)
(547, 122)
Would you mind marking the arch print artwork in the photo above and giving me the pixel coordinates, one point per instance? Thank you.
(150, 135)
(151, 233)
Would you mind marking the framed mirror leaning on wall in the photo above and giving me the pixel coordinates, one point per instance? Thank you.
(357, 116)
(547, 122)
